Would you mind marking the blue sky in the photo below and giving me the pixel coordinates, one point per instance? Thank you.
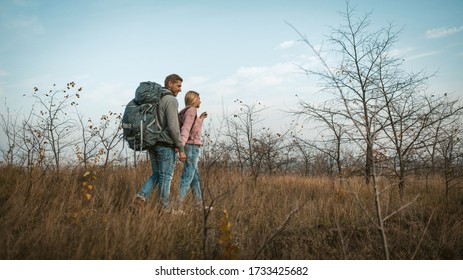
(225, 50)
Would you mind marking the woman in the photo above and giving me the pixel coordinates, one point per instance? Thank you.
(190, 130)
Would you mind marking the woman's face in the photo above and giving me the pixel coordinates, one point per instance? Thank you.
(198, 102)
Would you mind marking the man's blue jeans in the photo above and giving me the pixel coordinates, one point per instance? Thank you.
(190, 174)
(162, 166)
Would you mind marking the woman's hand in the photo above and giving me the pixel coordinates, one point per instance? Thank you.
(203, 115)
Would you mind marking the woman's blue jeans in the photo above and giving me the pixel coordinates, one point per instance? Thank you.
(190, 174)
(162, 167)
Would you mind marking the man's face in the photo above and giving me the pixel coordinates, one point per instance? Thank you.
(175, 87)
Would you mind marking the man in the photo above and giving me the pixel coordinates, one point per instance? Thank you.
(162, 155)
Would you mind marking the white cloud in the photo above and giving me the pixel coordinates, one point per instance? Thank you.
(285, 45)
(3, 73)
(407, 53)
(442, 32)
(198, 80)
(100, 99)
(273, 86)
(400, 52)
(421, 55)
(256, 79)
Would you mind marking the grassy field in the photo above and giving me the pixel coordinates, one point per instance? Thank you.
(72, 216)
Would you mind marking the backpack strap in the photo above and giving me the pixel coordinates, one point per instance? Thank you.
(181, 117)
(165, 92)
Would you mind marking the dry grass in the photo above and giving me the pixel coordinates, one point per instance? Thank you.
(44, 216)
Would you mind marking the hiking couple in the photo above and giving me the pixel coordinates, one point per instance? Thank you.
(182, 136)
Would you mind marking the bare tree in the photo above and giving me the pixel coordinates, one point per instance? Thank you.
(384, 107)
(214, 151)
(271, 149)
(87, 148)
(52, 119)
(305, 152)
(410, 117)
(241, 131)
(109, 133)
(451, 149)
(255, 148)
(32, 145)
(332, 124)
(354, 84)
(10, 128)
(443, 142)
(354, 81)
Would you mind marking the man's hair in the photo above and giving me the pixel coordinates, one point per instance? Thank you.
(172, 78)
(191, 97)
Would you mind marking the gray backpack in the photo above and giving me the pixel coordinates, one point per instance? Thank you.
(140, 127)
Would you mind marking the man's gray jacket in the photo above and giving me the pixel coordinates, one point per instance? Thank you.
(168, 120)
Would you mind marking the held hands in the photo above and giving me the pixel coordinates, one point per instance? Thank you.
(182, 156)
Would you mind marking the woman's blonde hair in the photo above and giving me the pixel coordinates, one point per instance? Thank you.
(191, 97)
